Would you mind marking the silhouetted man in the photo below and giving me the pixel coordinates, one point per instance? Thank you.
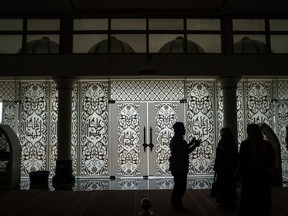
(179, 163)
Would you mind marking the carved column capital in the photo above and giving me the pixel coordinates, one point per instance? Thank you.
(65, 82)
(229, 82)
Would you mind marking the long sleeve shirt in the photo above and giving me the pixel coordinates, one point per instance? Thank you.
(180, 150)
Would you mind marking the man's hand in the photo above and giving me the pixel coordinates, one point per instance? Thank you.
(197, 142)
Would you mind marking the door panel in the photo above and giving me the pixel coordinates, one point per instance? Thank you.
(162, 116)
(135, 124)
(125, 137)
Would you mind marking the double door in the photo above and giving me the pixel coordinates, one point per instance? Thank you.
(140, 133)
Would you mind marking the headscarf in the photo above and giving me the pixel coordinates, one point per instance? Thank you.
(254, 132)
(228, 142)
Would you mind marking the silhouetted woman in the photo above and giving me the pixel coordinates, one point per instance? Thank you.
(226, 162)
(256, 157)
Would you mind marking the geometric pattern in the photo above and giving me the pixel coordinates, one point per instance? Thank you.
(280, 88)
(10, 91)
(147, 90)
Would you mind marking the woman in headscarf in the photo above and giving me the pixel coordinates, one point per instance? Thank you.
(226, 162)
(256, 157)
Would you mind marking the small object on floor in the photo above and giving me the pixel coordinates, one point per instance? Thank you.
(39, 179)
(146, 204)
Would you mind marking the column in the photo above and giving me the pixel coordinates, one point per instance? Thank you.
(229, 87)
(64, 172)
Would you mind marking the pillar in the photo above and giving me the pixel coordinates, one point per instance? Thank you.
(64, 171)
(229, 87)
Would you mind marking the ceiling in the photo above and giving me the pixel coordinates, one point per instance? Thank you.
(144, 7)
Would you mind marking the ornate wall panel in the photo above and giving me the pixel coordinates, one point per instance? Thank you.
(92, 185)
(129, 184)
(38, 121)
(75, 130)
(219, 111)
(10, 115)
(259, 105)
(282, 127)
(53, 127)
(164, 183)
(199, 183)
(94, 128)
(10, 91)
(147, 90)
(166, 116)
(4, 147)
(281, 112)
(9, 94)
(280, 89)
(33, 123)
(240, 113)
(129, 139)
(201, 124)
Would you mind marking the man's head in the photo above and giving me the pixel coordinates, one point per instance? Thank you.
(179, 128)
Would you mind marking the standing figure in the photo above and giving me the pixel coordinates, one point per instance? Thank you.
(226, 162)
(256, 157)
(179, 163)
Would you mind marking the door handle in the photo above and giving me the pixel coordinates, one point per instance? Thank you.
(145, 145)
(286, 136)
(151, 145)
